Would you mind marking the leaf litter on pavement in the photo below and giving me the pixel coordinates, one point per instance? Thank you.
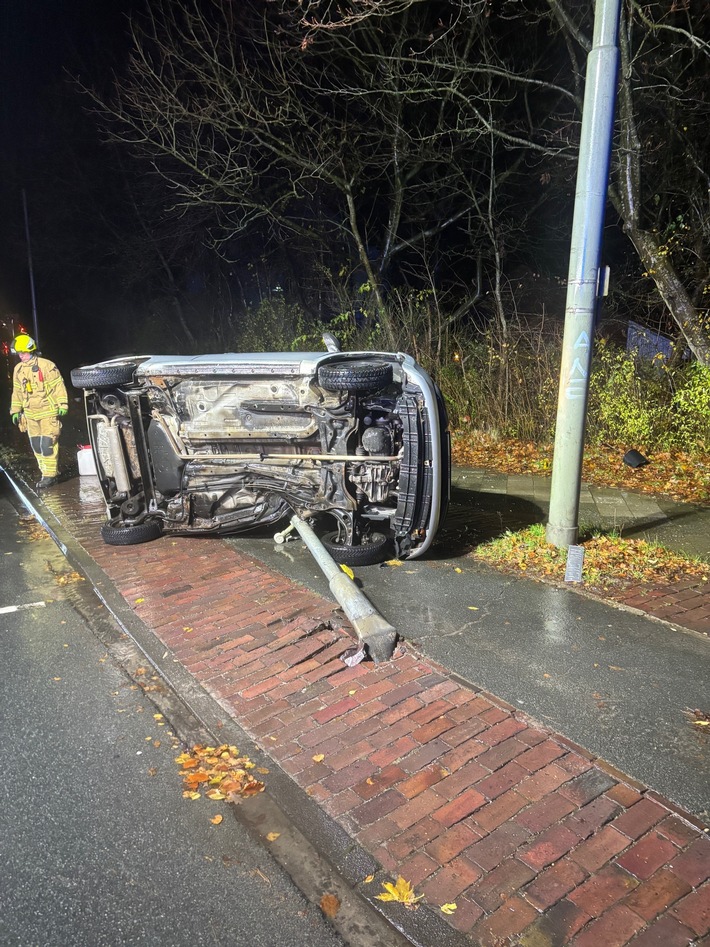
(218, 772)
(672, 474)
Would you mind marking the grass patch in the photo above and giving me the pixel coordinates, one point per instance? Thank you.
(609, 560)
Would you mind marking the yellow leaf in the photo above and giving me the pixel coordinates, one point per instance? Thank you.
(215, 795)
(348, 571)
(351, 693)
(318, 758)
(272, 836)
(473, 608)
(139, 600)
(448, 908)
(157, 716)
(457, 569)
(217, 819)
(56, 678)
(702, 723)
(393, 562)
(369, 879)
(262, 770)
(187, 629)
(187, 794)
(402, 891)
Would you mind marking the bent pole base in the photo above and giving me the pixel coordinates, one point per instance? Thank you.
(374, 632)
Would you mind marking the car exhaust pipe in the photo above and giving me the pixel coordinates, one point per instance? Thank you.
(375, 634)
(118, 461)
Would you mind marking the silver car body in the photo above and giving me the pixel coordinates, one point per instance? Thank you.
(224, 443)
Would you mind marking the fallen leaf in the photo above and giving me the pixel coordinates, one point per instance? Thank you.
(348, 571)
(262, 770)
(191, 795)
(369, 879)
(473, 608)
(56, 678)
(449, 908)
(330, 905)
(139, 600)
(702, 723)
(456, 569)
(139, 671)
(158, 717)
(152, 771)
(402, 892)
(394, 562)
(613, 667)
(318, 758)
(272, 836)
(217, 819)
(215, 795)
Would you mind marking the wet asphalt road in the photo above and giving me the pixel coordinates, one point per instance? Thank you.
(614, 682)
(98, 847)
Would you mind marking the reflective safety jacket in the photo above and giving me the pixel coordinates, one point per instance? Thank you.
(37, 389)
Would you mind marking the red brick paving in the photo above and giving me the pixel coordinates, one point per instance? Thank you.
(535, 841)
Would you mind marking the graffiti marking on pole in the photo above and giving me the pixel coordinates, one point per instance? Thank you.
(582, 341)
(577, 381)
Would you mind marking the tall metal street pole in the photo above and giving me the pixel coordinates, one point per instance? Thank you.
(29, 264)
(584, 273)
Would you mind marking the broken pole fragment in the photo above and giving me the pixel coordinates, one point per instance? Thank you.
(374, 632)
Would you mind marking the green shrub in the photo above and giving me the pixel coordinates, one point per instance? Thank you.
(691, 409)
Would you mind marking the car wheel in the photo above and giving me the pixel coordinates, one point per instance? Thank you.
(130, 535)
(105, 377)
(370, 551)
(355, 376)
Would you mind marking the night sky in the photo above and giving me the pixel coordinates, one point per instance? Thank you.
(42, 44)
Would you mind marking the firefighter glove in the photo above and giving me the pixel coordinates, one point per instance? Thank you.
(16, 418)
(62, 411)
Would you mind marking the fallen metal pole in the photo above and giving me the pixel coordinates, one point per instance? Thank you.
(376, 634)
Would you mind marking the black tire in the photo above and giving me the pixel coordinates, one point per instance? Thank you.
(355, 376)
(130, 535)
(373, 550)
(103, 377)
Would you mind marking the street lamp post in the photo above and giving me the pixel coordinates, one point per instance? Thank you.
(584, 275)
(31, 271)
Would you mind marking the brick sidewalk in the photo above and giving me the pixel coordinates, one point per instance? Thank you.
(536, 842)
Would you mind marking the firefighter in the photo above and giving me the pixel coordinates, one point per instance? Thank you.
(39, 400)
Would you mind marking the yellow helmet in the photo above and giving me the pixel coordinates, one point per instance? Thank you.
(24, 343)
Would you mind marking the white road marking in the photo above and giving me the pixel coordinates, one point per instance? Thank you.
(17, 608)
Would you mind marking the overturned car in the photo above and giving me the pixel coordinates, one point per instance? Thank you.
(217, 444)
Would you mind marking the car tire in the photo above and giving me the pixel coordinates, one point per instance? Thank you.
(105, 377)
(366, 554)
(131, 535)
(355, 376)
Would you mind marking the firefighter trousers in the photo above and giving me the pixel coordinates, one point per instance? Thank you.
(44, 440)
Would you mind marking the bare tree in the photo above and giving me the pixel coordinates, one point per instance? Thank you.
(382, 142)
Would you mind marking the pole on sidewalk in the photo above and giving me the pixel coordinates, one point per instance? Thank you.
(29, 264)
(372, 629)
(583, 280)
